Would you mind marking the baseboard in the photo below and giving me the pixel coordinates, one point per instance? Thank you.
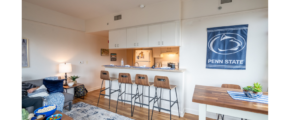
(93, 88)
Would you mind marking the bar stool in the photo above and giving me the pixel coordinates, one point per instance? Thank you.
(233, 86)
(106, 76)
(162, 82)
(125, 78)
(142, 80)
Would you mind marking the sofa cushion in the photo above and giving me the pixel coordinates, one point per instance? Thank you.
(53, 86)
(30, 109)
(37, 82)
(40, 92)
(68, 97)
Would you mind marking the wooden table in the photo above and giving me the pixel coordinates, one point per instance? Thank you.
(217, 100)
(75, 85)
(64, 116)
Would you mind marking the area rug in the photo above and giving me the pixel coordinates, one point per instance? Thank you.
(84, 111)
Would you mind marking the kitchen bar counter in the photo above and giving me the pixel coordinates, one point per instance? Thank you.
(144, 68)
(176, 77)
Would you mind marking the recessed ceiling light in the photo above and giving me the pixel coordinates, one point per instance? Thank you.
(142, 6)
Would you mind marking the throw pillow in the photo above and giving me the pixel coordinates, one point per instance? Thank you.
(53, 78)
(53, 86)
(40, 92)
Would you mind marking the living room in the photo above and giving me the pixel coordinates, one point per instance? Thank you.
(75, 32)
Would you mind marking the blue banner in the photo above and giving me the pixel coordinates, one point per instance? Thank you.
(227, 47)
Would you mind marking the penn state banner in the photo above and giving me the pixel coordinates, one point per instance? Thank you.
(226, 47)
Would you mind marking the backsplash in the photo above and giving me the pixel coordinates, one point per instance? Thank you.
(173, 58)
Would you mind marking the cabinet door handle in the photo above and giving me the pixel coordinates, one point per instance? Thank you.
(137, 44)
(115, 45)
(162, 42)
(158, 42)
(134, 44)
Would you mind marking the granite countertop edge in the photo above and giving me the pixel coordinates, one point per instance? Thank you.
(150, 69)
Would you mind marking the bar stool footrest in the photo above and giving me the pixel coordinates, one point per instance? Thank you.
(174, 103)
(104, 89)
(167, 100)
(104, 94)
(124, 100)
(161, 108)
(142, 103)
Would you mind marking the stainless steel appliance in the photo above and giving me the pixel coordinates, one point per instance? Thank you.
(171, 65)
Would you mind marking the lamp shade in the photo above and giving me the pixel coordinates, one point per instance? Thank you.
(65, 67)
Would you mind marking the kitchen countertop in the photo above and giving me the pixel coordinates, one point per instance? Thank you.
(144, 68)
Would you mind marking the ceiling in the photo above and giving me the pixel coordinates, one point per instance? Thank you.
(87, 9)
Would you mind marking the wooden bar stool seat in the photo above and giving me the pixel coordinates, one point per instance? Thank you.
(151, 83)
(162, 82)
(125, 78)
(106, 76)
(172, 86)
(142, 80)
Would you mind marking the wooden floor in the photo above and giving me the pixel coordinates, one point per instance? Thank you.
(124, 109)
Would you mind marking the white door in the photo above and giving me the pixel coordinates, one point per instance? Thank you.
(117, 39)
(137, 37)
(131, 37)
(122, 38)
(154, 35)
(169, 33)
(112, 39)
(142, 36)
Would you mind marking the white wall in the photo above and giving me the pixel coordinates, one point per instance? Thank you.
(167, 10)
(43, 15)
(121, 54)
(51, 45)
(60, 39)
(193, 53)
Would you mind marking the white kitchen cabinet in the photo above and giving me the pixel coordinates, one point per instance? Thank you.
(131, 37)
(117, 39)
(137, 37)
(164, 34)
(142, 36)
(154, 35)
(169, 34)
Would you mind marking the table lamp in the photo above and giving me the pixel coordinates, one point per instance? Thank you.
(65, 68)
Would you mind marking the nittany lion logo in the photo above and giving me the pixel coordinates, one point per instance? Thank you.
(227, 43)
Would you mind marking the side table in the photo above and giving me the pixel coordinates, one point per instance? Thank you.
(75, 85)
(68, 87)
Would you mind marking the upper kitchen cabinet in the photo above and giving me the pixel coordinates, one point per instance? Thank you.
(164, 34)
(154, 35)
(117, 39)
(137, 37)
(170, 34)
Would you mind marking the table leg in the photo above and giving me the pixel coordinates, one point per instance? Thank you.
(202, 112)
